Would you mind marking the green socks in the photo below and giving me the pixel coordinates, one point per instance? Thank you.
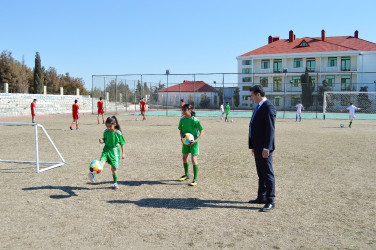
(195, 171)
(115, 177)
(186, 170)
(350, 124)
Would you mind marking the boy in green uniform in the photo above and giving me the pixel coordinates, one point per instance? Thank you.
(227, 111)
(190, 124)
(112, 138)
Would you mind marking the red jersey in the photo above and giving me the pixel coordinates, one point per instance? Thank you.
(75, 109)
(142, 103)
(32, 107)
(100, 104)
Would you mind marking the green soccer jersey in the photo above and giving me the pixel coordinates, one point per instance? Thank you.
(113, 139)
(227, 109)
(191, 125)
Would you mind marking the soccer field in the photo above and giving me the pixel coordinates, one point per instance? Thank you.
(325, 188)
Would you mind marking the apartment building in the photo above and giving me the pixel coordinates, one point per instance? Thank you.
(346, 63)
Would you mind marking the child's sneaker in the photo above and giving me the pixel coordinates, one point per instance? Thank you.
(193, 183)
(70, 127)
(92, 177)
(115, 186)
(184, 177)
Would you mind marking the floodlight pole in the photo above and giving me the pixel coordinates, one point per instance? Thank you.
(167, 73)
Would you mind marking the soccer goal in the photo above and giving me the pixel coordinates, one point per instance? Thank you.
(336, 102)
(37, 162)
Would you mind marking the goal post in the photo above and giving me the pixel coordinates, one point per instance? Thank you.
(335, 103)
(37, 162)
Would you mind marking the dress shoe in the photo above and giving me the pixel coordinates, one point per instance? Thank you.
(267, 207)
(258, 201)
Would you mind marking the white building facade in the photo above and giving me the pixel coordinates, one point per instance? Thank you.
(345, 63)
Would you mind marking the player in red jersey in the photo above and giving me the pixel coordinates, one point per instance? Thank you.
(142, 108)
(75, 109)
(100, 109)
(33, 110)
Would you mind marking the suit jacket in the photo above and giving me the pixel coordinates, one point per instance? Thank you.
(262, 127)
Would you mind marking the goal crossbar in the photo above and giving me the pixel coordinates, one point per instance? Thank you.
(37, 162)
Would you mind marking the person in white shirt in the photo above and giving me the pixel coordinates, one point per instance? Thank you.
(352, 110)
(299, 107)
(222, 111)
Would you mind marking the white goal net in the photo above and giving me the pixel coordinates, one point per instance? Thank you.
(335, 104)
(20, 152)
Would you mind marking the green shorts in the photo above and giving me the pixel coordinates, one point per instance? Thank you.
(112, 156)
(193, 150)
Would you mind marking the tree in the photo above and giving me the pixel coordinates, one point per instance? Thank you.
(322, 89)
(191, 101)
(307, 89)
(220, 94)
(237, 97)
(205, 101)
(8, 70)
(38, 75)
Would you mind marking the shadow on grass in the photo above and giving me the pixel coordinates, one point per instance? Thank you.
(184, 203)
(69, 190)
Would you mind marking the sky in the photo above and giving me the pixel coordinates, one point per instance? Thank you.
(111, 37)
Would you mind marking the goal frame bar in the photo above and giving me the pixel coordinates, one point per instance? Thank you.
(37, 161)
(340, 92)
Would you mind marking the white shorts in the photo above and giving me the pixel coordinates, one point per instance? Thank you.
(352, 116)
(299, 112)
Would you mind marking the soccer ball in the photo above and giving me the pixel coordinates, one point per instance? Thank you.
(232, 120)
(342, 125)
(136, 119)
(187, 138)
(96, 167)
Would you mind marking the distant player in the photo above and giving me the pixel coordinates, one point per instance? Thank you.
(222, 108)
(299, 107)
(182, 103)
(112, 138)
(75, 109)
(142, 108)
(352, 110)
(100, 109)
(33, 110)
(227, 111)
(190, 124)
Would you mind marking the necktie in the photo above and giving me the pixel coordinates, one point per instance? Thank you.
(254, 113)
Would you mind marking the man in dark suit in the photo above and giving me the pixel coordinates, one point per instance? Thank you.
(261, 141)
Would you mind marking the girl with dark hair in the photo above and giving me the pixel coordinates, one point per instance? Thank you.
(190, 124)
(112, 138)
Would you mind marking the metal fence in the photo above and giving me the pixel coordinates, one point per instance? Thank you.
(122, 93)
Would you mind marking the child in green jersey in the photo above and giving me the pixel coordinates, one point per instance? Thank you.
(190, 124)
(112, 138)
(227, 111)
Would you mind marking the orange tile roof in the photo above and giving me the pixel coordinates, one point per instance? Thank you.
(190, 86)
(335, 43)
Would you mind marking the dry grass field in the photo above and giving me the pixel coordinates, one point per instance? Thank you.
(325, 188)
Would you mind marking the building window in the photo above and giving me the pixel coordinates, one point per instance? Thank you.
(330, 80)
(298, 63)
(295, 99)
(303, 44)
(277, 101)
(265, 64)
(247, 62)
(245, 97)
(311, 64)
(264, 82)
(277, 84)
(295, 81)
(345, 63)
(345, 83)
(247, 71)
(277, 65)
(332, 61)
(246, 88)
(247, 79)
